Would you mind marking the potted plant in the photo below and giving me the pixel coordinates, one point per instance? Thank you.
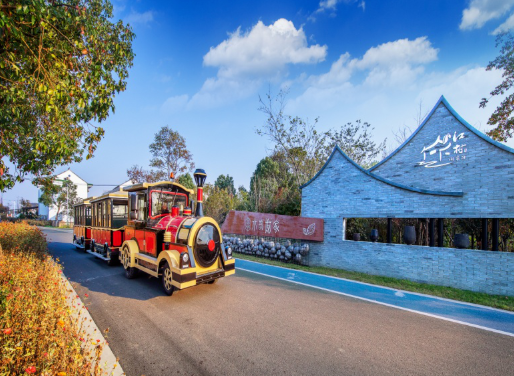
(409, 235)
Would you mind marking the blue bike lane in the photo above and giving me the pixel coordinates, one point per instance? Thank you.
(491, 319)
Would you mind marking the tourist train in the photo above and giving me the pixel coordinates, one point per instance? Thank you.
(150, 228)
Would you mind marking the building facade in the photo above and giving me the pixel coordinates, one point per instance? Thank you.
(82, 191)
(446, 169)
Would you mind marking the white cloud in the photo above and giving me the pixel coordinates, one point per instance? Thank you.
(481, 11)
(344, 93)
(400, 52)
(246, 60)
(263, 51)
(506, 26)
(328, 4)
(139, 18)
(392, 63)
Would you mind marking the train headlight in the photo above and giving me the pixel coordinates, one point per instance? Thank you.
(184, 260)
(229, 252)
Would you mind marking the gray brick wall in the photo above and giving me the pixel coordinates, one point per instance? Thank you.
(481, 271)
(485, 176)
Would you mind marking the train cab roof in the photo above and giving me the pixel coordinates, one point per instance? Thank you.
(119, 195)
(160, 184)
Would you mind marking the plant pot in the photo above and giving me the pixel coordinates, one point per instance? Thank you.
(409, 235)
(356, 237)
(374, 235)
(461, 241)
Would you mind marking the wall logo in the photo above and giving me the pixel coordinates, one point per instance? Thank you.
(310, 229)
(444, 151)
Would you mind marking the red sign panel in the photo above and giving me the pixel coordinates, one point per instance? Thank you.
(273, 225)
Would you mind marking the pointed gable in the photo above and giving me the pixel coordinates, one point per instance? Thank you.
(446, 169)
(444, 153)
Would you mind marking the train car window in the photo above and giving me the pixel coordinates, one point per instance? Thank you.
(120, 210)
(141, 207)
(108, 213)
(162, 201)
(87, 215)
(100, 214)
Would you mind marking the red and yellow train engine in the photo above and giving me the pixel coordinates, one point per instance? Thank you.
(165, 240)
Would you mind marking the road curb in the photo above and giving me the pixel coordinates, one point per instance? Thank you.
(78, 311)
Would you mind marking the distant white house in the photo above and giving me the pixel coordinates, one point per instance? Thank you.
(82, 190)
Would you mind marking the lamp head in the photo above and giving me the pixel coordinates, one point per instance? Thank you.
(200, 177)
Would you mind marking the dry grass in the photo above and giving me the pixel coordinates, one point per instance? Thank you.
(37, 333)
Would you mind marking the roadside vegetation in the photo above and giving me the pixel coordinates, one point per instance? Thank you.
(495, 301)
(37, 333)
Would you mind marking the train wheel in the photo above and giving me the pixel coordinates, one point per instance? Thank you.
(166, 279)
(125, 259)
(212, 282)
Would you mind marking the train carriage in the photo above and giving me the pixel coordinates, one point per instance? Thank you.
(164, 239)
(82, 224)
(109, 217)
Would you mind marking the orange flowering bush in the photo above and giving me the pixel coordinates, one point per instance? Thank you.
(21, 237)
(37, 333)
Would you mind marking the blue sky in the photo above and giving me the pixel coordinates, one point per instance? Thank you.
(200, 67)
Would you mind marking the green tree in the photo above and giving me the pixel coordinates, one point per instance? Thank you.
(243, 199)
(187, 181)
(63, 196)
(61, 64)
(298, 141)
(170, 154)
(357, 143)
(273, 188)
(502, 118)
(225, 182)
(218, 202)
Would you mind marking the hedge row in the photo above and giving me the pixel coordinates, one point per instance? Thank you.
(37, 333)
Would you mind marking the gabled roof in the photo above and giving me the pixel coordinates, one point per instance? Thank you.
(69, 169)
(337, 149)
(459, 118)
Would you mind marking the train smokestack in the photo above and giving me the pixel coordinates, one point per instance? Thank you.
(200, 177)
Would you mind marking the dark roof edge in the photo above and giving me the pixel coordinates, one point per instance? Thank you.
(459, 118)
(367, 172)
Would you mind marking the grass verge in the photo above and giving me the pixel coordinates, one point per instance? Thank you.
(37, 333)
(495, 301)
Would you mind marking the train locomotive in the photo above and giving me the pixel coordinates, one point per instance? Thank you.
(162, 237)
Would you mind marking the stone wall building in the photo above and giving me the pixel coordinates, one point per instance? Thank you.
(446, 169)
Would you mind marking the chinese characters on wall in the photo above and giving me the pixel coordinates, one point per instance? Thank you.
(262, 225)
(446, 150)
(273, 225)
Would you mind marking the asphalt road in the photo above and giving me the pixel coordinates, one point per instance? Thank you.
(249, 324)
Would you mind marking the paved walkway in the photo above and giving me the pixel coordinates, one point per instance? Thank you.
(478, 316)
